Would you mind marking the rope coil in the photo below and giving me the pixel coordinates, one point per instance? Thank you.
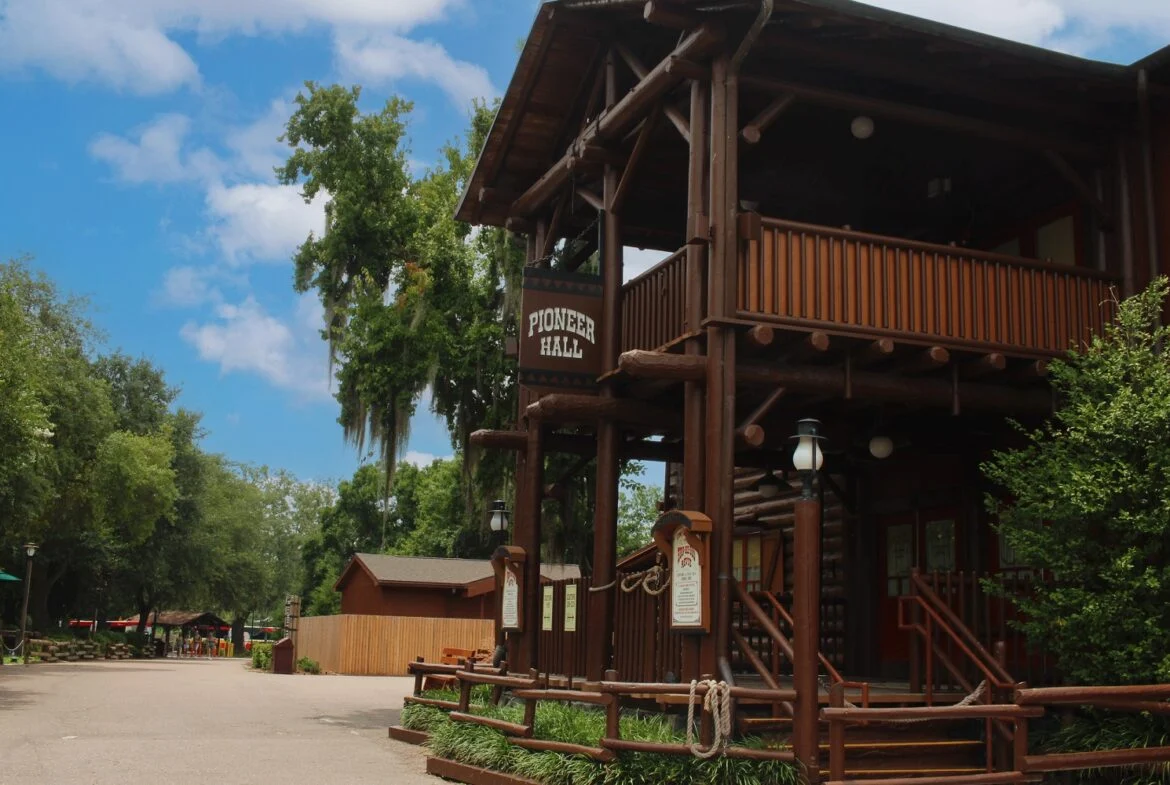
(717, 701)
(654, 581)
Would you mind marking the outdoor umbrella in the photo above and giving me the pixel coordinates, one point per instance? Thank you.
(6, 577)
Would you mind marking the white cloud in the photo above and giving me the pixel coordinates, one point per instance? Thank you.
(382, 58)
(157, 154)
(636, 261)
(113, 43)
(130, 44)
(255, 149)
(254, 221)
(246, 338)
(423, 459)
(187, 286)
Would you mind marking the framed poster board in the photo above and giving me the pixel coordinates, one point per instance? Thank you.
(546, 614)
(571, 607)
(508, 563)
(683, 536)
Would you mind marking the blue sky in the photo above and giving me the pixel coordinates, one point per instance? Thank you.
(140, 139)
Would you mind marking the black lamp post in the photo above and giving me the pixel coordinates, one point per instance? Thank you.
(30, 550)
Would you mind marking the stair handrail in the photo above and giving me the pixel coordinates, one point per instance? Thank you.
(834, 675)
(947, 620)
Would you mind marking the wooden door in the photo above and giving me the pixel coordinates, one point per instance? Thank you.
(924, 539)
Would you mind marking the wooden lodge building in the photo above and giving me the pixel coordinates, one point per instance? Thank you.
(883, 223)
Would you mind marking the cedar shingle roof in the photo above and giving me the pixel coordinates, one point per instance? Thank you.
(441, 572)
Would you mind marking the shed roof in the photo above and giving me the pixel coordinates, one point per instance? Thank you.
(180, 618)
(425, 571)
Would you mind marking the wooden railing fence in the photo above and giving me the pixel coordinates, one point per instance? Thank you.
(645, 648)
(654, 305)
(809, 275)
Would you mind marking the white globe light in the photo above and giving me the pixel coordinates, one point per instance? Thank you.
(881, 447)
(861, 127)
(808, 456)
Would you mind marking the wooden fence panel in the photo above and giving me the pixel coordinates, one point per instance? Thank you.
(319, 638)
(562, 651)
(383, 645)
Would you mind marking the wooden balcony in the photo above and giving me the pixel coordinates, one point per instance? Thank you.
(808, 276)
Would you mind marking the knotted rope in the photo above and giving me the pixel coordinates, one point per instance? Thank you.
(718, 702)
(653, 581)
(975, 697)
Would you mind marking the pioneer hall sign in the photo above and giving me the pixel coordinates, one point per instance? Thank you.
(560, 330)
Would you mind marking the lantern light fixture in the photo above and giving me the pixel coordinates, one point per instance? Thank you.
(808, 456)
(861, 127)
(30, 549)
(499, 516)
(881, 446)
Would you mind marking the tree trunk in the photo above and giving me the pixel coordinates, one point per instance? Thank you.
(238, 634)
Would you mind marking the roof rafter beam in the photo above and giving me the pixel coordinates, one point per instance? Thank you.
(920, 115)
(614, 121)
(672, 113)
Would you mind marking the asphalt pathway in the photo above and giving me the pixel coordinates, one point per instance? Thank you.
(175, 722)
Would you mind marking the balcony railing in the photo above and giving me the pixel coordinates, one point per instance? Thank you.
(654, 304)
(805, 275)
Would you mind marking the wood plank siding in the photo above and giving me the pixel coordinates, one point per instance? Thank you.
(813, 276)
(361, 645)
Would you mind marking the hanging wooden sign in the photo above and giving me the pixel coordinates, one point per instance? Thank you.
(560, 330)
(508, 563)
(684, 538)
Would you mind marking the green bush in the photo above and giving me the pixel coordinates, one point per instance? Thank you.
(262, 656)
(307, 665)
(477, 745)
(1085, 499)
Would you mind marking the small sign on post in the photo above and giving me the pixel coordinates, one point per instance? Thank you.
(684, 538)
(508, 562)
(546, 616)
(571, 607)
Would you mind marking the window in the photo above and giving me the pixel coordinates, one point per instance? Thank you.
(899, 559)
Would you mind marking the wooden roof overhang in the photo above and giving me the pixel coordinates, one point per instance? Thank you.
(1010, 101)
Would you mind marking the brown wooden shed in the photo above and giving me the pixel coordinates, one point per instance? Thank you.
(379, 585)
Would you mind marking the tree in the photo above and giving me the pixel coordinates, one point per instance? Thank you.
(1087, 498)
(637, 511)
(412, 300)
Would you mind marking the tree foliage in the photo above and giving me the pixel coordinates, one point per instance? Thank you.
(1087, 498)
(413, 299)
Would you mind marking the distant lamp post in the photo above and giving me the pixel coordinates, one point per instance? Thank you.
(806, 589)
(30, 550)
(881, 447)
(769, 486)
(499, 517)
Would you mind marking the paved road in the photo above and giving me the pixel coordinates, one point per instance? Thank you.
(180, 722)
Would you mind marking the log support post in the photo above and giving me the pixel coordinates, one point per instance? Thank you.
(806, 614)
(533, 498)
(608, 436)
(721, 344)
(694, 449)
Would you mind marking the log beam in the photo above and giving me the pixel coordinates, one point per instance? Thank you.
(750, 437)
(919, 115)
(631, 170)
(826, 380)
(877, 351)
(641, 72)
(754, 130)
(987, 364)
(1085, 191)
(815, 344)
(760, 337)
(590, 198)
(619, 117)
(665, 15)
(927, 360)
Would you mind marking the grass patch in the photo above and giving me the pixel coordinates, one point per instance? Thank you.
(1090, 731)
(477, 745)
